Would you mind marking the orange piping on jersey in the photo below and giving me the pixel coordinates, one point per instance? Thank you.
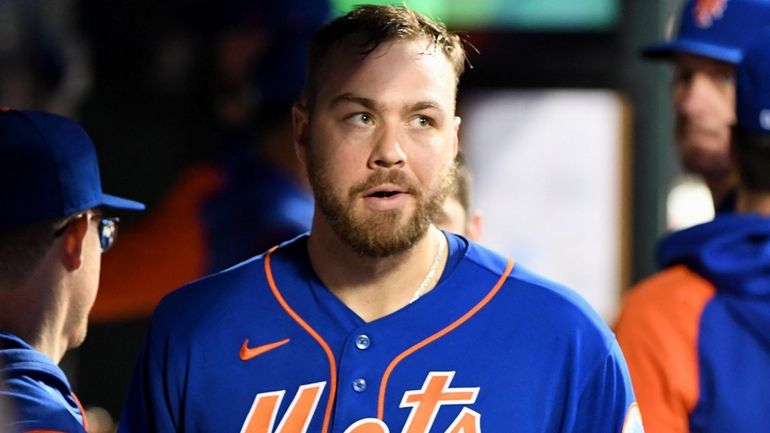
(82, 411)
(436, 336)
(313, 333)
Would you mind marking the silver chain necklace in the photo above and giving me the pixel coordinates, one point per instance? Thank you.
(431, 272)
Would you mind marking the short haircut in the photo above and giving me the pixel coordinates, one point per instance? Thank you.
(374, 25)
(22, 249)
(752, 151)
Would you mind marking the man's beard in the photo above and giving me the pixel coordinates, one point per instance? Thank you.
(379, 234)
(707, 155)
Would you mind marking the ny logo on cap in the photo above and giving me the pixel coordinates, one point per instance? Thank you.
(706, 11)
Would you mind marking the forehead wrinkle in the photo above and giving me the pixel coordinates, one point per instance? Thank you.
(422, 105)
(355, 99)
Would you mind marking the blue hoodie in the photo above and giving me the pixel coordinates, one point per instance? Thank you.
(733, 253)
(38, 390)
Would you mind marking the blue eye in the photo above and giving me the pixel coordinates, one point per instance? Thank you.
(421, 122)
(360, 119)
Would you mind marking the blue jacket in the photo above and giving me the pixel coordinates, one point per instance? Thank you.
(697, 334)
(39, 394)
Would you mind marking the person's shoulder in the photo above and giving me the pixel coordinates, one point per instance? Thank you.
(558, 304)
(485, 259)
(38, 412)
(38, 393)
(671, 291)
(26, 370)
(229, 290)
(544, 302)
(215, 287)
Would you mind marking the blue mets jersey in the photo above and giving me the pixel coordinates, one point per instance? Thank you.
(35, 391)
(264, 347)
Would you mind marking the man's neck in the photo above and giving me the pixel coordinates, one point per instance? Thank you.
(374, 287)
(32, 315)
(753, 202)
(721, 187)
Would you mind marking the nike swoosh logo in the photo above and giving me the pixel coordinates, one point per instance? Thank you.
(248, 353)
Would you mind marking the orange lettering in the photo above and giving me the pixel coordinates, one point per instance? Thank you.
(435, 393)
(264, 411)
(368, 425)
(468, 421)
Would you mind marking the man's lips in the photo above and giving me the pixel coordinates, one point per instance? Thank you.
(698, 128)
(701, 131)
(384, 191)
(386, 197)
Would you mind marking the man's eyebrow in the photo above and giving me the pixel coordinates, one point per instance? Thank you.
(423, 105)
(371, 104)
(360, 100)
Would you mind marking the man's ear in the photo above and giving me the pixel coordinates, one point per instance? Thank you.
(73, 243)
(300, 120)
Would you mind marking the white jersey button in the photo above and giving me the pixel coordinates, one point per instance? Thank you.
(359, 385)
(363, 342)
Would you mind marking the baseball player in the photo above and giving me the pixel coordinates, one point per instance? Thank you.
(377, 321)
(708, 45)
(52, 234)
(456, 214)
(696, 335)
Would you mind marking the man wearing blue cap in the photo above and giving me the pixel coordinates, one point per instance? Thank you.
(52, 234)
(708, 45)
(697, 335)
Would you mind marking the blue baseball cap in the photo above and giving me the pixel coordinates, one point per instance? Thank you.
(718, 29)
(48, 170)
(752, 98)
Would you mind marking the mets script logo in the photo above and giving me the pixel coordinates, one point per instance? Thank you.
(706, 11)
(423, 404)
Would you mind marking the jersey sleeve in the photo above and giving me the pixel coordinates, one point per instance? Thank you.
(657, 331)
(30, 405)
(51, 424)
(607, 403)
(151, 404)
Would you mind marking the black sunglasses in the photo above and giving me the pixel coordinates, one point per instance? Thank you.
(108, 230)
